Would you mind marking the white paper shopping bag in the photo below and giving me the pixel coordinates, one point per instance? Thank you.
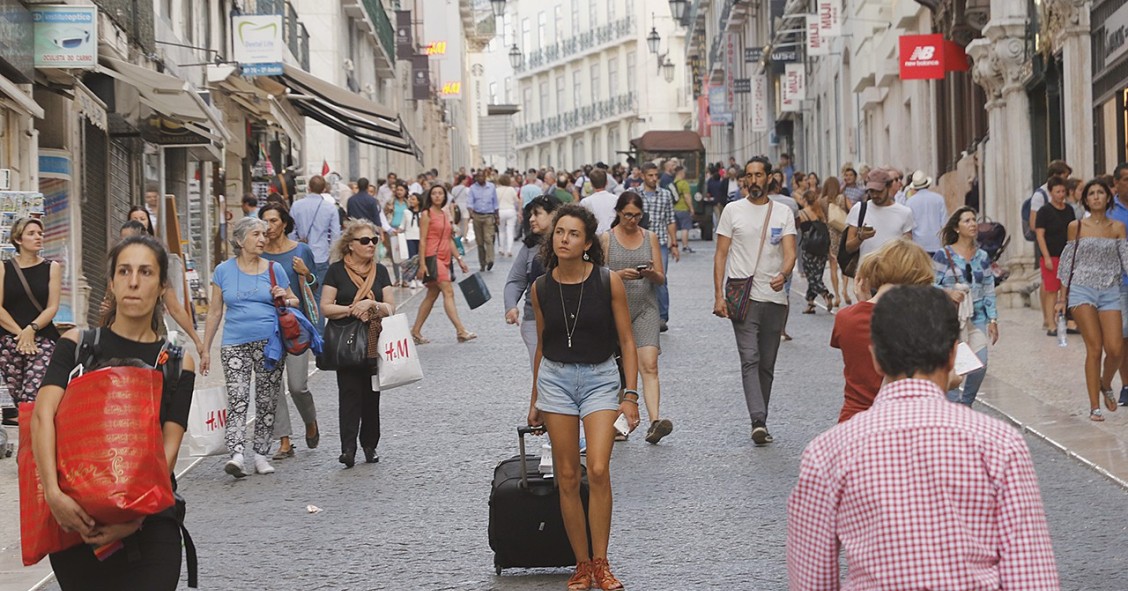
(399, 360)
(207, 422)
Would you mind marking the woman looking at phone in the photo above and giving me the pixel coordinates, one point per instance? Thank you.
(582, 313)
(633, 252)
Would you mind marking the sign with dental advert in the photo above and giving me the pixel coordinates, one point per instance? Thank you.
(65, 36)
(258, 45)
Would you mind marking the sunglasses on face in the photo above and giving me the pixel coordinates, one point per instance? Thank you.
(366, 240)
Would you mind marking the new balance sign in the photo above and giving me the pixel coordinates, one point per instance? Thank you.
(930, 57)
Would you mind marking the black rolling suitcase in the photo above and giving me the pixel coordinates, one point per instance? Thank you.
(526, 529)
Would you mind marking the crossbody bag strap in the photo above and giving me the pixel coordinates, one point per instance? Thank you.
(27, 288)
(1073, 259)
(763, 238)
(313, 221)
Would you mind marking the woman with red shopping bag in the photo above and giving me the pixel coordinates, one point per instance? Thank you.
(138, 557)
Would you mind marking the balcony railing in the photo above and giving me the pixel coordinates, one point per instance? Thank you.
(576, 119)
(384, 30)
(294, 33)
(566, 48)
(135, 17)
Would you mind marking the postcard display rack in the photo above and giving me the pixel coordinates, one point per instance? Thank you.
(13, 206)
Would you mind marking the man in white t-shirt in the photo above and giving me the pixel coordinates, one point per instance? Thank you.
(930, 212)
(740, 234)
(602, 202)
(885, 219)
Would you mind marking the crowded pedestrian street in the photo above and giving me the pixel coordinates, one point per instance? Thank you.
(705, 509)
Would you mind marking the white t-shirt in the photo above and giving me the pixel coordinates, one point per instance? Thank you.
(742, 222)
(507, 199)
(602, 205)
(890, 223)
(930, 213)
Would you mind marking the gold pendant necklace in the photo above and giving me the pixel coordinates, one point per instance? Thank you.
(564, 310)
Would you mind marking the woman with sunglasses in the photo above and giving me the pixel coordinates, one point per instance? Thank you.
(964, 271)
(358, 286)
(436, 241)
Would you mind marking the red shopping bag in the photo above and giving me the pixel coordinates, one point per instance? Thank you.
(40, 534)
(109, 447)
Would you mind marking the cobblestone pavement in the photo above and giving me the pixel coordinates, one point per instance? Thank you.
(705, 509)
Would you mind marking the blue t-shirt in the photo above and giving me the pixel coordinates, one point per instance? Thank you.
(286, 259)
(397, 213)
(250, 314)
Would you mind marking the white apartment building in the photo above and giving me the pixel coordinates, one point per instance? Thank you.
(587, 83)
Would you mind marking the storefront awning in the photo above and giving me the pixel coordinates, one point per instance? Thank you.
(169, 96)
(345, 112)
(24, 102)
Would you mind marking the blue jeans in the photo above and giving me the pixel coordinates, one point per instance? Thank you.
(973, 380)
(663, 291)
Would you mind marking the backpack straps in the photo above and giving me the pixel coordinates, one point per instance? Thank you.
(87, 348)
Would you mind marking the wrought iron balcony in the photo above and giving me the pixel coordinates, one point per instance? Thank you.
(384, 30)
(577, 119)
(568, 48)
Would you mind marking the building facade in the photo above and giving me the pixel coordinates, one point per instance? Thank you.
(587, 83)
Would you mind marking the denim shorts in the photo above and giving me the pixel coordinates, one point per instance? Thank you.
(1104, 300)
(683, 219)
(1124, 310)
(577, 388)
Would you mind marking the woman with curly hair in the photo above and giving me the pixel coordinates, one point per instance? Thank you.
(582, 315)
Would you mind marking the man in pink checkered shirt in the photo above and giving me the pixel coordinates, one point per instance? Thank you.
(919, 492)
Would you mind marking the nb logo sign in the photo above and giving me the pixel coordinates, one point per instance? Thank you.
(923, 53)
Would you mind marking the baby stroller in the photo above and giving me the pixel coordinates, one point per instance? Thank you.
(994, 240)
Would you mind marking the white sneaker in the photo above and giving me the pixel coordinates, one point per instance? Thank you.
(235, 467)
(262, 466)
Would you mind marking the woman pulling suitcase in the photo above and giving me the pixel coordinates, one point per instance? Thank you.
(582, 316)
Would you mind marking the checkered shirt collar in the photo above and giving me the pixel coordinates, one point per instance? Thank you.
(909, 388)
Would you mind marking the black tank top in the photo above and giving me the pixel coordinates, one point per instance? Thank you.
(594, 339)
(17, 303)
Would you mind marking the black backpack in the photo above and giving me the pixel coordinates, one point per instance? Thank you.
(816, 238)
(1027, 231)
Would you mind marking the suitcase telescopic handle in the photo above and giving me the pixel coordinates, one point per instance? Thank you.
(521, 433)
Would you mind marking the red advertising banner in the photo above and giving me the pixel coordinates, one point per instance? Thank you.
(929, 57)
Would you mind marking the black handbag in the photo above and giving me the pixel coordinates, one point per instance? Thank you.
(345, 346)
(431, 272)
(847, 260)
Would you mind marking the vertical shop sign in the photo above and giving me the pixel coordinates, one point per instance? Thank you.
(760, 102)
(420, 77)
(405, 39)
(830, 22)
(816, 45)
(718, 105)
(55, 188)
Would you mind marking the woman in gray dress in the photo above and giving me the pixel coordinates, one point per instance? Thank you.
(634, 254)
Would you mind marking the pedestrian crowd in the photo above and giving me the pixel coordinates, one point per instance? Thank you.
(911, 286)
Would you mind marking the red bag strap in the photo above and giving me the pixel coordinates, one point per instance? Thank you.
(279, 302)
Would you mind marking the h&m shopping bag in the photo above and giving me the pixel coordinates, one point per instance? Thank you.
(207, 422)
(398, 364)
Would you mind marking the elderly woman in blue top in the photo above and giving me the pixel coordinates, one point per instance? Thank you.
(964, 271)
(243, 287)
(527, 267)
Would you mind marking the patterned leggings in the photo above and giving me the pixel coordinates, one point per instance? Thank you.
(813, 267)
(238, 363)
(24, 373)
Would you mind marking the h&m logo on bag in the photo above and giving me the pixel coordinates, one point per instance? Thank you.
(217, 419)
(397, 350)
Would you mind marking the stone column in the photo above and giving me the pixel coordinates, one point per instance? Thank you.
(1001, 68)
(1072, 16)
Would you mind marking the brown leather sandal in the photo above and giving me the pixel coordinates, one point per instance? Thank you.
(602, 577)
(581, 579)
